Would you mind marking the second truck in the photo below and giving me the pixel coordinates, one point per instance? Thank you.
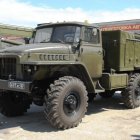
(66, 65)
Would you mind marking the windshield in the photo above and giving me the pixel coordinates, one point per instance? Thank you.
(63, 34)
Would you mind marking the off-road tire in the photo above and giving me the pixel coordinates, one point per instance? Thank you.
(107, 94)
(131, 95)
(14, 104)
(58, 95)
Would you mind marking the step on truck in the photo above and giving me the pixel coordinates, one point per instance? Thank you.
(66, 65)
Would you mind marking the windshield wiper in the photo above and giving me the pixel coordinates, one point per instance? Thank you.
(61, 41)
(58, 40)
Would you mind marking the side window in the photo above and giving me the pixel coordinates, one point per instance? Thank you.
(92, 35)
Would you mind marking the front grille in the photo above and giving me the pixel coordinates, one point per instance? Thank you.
(7, 68)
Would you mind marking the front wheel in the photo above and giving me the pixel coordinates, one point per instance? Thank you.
(66, 102)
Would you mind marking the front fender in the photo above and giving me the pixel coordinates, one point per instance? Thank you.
(86, 78)
(56, 71)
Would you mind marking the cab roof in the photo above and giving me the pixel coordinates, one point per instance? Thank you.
(66, 23)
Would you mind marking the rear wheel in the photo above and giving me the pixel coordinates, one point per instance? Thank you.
(66, 102)
(13, 103)
(131, 95)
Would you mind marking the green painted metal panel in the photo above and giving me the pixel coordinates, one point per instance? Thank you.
(114, 81)
(121, 50)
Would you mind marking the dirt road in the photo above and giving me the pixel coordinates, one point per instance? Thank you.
(106, 119)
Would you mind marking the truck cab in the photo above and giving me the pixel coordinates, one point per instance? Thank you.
(84, 40)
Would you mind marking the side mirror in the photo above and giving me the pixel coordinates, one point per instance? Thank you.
(76, 47)
(27, 40)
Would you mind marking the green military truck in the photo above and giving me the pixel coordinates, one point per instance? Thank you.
(66, 64)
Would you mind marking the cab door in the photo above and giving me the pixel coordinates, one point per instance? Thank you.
(91, 51)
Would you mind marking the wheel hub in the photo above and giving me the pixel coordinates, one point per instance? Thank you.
(71, 102)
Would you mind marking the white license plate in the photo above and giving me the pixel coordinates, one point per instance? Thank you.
(16, 85)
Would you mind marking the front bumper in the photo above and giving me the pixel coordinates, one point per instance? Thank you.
(11, 85)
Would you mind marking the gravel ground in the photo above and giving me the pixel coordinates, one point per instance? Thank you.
(106, 119)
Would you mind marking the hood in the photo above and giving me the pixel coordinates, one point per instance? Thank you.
(39, 48)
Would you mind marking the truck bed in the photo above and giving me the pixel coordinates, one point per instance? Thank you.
(122, 51)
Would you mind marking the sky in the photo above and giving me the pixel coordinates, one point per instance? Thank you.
(29, 13)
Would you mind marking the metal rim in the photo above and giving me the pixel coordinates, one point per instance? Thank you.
(71, 103)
